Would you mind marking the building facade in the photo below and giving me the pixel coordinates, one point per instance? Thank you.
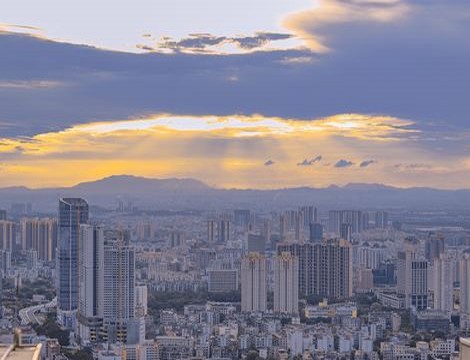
(253, 283)
(72, 213)
(286, 284)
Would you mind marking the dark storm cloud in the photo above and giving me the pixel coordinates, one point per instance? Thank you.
(413, 68)
(343, 163)
(310, 162)
(259, 40)
(367, 163)
(413, 167)
(203, 42)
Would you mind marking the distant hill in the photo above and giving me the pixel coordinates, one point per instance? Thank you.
(127, 184)
(193, 194)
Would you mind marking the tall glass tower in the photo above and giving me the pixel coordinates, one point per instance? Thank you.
(72, 213)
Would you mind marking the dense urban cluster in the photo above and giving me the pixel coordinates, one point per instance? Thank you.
(301, 283)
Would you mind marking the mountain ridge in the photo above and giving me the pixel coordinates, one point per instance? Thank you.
(188, 193)
(109, 180)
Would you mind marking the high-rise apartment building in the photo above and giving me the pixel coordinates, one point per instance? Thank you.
(464, 268)
(211, 231)
(7, 235)
(345, 232)
(412, 279)
(434, 246)
(286, 284)
(266, 231)
(31, 259)
(381, 219)
(256, 243)
(39, 235)
(72, 213)
(316, 232)
(442, 284)
(107, 297)
(242, 218)
(253, 283)
(365, 221)
(223, 231)
(283, 225)
(118, 286)
(369, 257)
(145, 230)
(5, 261)
(141, 298)
(90, 282)
(176, 238)
(336, 218)
(333, 269)
(325, 268)
(223, 280)
(298, 224)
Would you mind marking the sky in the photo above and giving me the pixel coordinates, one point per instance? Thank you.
(264, 94)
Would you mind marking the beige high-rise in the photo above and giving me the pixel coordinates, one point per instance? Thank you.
(286, 284)
(253, 283)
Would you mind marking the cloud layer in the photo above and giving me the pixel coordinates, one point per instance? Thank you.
(380, 87)
(206, 43)
(233, 151)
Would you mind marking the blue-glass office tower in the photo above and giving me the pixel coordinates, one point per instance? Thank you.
(72, 213)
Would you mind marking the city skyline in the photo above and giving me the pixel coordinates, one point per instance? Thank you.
(226, 180)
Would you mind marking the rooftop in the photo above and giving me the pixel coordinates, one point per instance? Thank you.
(9, 352)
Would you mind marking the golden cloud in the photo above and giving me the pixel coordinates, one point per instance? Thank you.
(222, 150)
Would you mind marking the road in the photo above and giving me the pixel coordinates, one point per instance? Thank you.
(28, 315)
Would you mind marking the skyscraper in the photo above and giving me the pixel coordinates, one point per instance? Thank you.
(253, 283)
(90, 282)
(119, 286)
(286, 284)
(72, 213)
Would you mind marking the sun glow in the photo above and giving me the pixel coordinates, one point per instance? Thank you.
(236, 150)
